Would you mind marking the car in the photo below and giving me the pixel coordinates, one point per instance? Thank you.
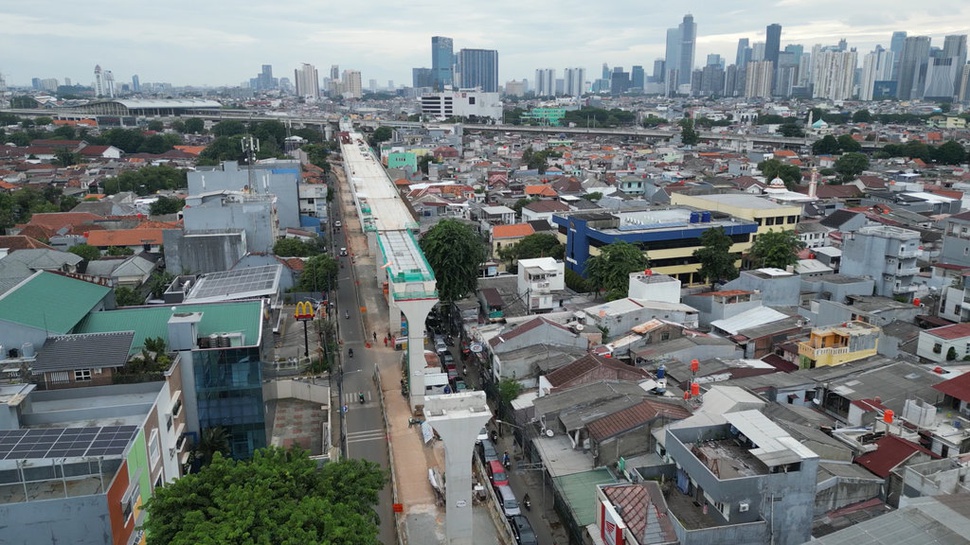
(524, 534)
(448, 360)
(343, 251)
(497, 473)
(487, 452)
(506, 499)
(337, 224)
(460, 386)
(441, 348)
(482, 435)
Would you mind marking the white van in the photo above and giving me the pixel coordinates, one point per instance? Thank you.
(510, 505)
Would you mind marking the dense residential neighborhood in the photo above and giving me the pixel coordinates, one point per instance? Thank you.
(697, 320)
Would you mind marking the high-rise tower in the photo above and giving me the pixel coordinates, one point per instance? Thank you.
(442, 61)
(479, 68)
(688, 40)
(913, 63)
(307, 81)
(100, 89)
(896, 48)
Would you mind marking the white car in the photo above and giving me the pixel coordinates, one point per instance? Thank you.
(343, 251)
(337, 224)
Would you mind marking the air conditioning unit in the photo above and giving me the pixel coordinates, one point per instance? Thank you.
(743, 507)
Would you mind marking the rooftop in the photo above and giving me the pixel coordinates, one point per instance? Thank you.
(243, 283)
(52, 302)
(67, 352)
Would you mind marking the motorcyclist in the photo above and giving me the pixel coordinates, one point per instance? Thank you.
(350, 352)
(347, 314)
(360, 395)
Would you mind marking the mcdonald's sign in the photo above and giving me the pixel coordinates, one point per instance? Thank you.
(304, 311)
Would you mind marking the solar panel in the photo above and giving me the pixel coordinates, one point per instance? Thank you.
(65, 442)
(252, 280)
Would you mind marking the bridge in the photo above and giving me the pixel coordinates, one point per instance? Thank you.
(730, 140)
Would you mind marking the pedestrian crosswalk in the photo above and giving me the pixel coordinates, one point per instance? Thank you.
(366, 435)
(353, 398)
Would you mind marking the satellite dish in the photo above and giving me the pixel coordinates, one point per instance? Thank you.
(579, 327)
(549, 432)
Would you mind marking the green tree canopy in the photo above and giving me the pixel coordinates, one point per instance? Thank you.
(278, 497)
(533, 246)
(850, 165)
(127, 297)
(791, 130)
(230, 127)
(777, 249)
(381, 134)
(294, 247)
(166, 205)
(86, 251)
(610, 270)
(949, 153)
(847, 143)
(195, 125)
(455, 252)
(826, 146)
(688, 135)
(147, 180)
(223, 148)
(773, 168)
(717, 261)
(319, 274)
(116, 251)
(156, 125)
(862, 116)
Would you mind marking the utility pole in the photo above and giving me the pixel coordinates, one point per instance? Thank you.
(250, 147)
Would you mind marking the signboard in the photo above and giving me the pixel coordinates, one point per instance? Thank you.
(476, 348)
(304, 311)
(427, 432)
(611, 524)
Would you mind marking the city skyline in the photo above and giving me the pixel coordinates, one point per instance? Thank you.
(225, 47)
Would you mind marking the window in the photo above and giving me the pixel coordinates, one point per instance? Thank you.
(168, 422)
(154, 448)
(177, 408)
(665, 336)
(82, 375)
(769, 221)
(937, 348)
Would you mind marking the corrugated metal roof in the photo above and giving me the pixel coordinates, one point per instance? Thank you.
(577, 489)
(51, 302)
(748, 319)
(66, 352)
(931, 520)
(775, 446)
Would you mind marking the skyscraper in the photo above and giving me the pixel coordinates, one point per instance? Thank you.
(945, 68)
(672, 58)
(913, 63)
(772, 42)
(545, 82)
(575, 81)
(351, 84)
(422, 77)
(688, 39)
(99, 84)
(757, 83)
(479, 68)
(744, 53)
(876, 66)
(637, 77)
(307, 81)
(896, 48)
(442, 61)
(834, 74)
(135, 84)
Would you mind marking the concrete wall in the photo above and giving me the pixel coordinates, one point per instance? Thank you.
(781, 291)
(296, 389)
(14, 335)
(79, 521)
(752, 533)
(83, 411)
(633, 442)
(200, 253)
(839, 492)
(253, 217)
(280, 178)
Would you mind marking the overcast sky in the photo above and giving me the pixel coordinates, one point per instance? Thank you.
(204, 42)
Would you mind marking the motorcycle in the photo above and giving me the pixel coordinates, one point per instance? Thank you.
(527, 502)
(360, 396)
(350, 352)
(347, 314)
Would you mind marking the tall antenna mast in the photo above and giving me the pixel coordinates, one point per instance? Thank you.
(250, 146)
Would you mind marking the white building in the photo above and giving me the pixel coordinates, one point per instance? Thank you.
(462, 103)
(307, 81)
(834, 72)
(545, 83)
(538, 278)
(574, 81)
(876, 66)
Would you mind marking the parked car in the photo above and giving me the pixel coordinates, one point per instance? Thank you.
(524, 534)
(440, 348)
(448, 360)
(506, 498)
(497, 473)
(482, 435)
(337, 224)
(486, 450)
(343, 251)
(460, 386)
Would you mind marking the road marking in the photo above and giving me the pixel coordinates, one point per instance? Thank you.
(366, 435)
(351, 398)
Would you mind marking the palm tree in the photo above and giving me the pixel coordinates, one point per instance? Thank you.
(211, 441)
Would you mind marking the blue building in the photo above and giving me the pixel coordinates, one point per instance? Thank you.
(479, 68)
(442, 63)
(669, 236)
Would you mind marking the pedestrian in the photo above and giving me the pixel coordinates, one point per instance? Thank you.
(375, 336)
(385, 342)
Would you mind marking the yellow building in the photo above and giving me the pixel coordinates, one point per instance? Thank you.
(769, 215)
(835, 345)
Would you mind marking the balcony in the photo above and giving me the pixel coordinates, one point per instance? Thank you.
(905, 253)
(908, 271)
(904, 289)
(539, 287)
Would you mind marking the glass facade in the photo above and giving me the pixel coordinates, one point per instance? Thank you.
(229, 390)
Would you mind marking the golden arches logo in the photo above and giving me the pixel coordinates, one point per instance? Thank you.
(304, 311)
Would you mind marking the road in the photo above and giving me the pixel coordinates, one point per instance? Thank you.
(363, 434)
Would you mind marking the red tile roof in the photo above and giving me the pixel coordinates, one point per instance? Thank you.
(594, 367)
(515, 230)
(124, 237)
(22, 242)
(634, 417)
(957, 387)
(891, 451)
(522, 329)
(950, 332)
(58, 220)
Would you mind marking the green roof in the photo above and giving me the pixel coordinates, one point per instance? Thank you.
(152, 321)
(51, 302)
(579, 490)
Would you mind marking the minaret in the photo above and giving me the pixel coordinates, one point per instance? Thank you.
(813, 184)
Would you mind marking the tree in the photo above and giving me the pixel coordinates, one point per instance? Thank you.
(533, 246)
(158, 282)
(64, 132)
(230, 127)
(508, 390)
(279, 497)
(594, 196)
(950, 153)
(610, 270)
(851, 165)
(688, 136)
(212, 441)
(776, 249)
(826, 146)
(455, 252)
(166, 205)
(223, 148)
(294, 247)
(791, 130)
(773, 168)
(118, 251)
(847, 143)
(156, 125)
(319, 274)
(381, 134)
(178, 126)
(715, 257)
(127, 297)
(862, 116)
(195, 125)
(64, 157)
(951, 354)
(86, 251)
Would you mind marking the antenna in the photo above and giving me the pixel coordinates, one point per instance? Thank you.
(250, 146)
